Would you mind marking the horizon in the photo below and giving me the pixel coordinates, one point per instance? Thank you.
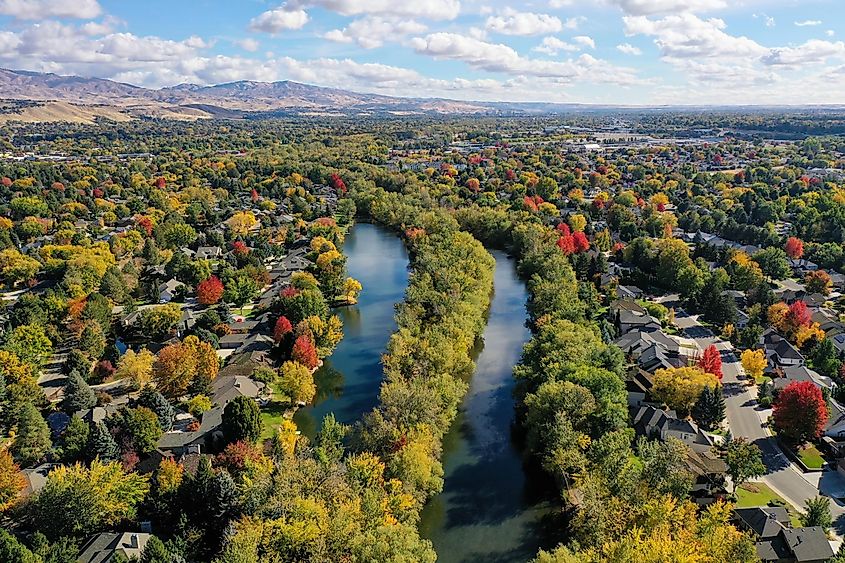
(666, 53)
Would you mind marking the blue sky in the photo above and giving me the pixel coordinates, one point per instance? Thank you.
(599, 51)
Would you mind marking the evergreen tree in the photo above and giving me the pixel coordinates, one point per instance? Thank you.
(241, 420)
(101, 444)
(32, 440)
(155, 552)
(74, 440)
(156, 402)
(13, 551)
(78, 395)
(709, 409)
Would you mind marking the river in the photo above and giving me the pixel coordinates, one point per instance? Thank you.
(493, 508)
(348, 382)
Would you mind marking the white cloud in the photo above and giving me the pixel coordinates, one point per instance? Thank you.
(372, 32)
(814, 51)
(808, 23)
(560, 3)
(43, 9)
(428, 9)
(499, 58)
(553, 45)
(585, 40)
(830, 33)
(653, 7)
(629, 49)
(279, 19)
(248, 44)
(511, 22)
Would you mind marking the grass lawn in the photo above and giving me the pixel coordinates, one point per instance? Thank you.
(271, 417)
(811, 457)
(759, 494)
(762, 379)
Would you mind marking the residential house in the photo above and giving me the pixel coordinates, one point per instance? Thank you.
(227, 387)
(169, 290)
(658, 423)
(779, 351)
(107, 547)
(777, 541)
(36, 477)
(793, 374)
(209, 253)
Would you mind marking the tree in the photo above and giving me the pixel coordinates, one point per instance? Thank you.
(794, 248)
(29, 343)
(754, 362)
(137, 367)
(798, 315)
(241, 420)
(143, 426)
(158, 321)
(77, 501)
(210, 291)
(101, 444)
(711, 362)
(680, 388)
(162, 408)
(74, 440)
(32, 438)
(13, 551)
(817, 513)
(78, 395)
(800, 412)
(16, 267)
(818, 282)
(92, 341)
(773, 262)
(281, 329)
(156, 552)
(174, 369)
(744, 461)
(709, 410)
(351, 289)
(12, 482)
(240, 289)
(297, 382)
(304, 352)
(578, 222)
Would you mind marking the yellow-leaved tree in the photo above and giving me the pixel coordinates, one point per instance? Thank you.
(680, 388)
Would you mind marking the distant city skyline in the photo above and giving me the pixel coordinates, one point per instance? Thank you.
(638, 52)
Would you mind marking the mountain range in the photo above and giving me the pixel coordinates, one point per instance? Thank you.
(34, 96)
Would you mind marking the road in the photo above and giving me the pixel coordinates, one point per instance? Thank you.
(745, 418)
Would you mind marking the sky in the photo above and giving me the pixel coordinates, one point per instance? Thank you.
(630, 52)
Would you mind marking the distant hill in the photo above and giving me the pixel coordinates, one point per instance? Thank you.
(72, 98)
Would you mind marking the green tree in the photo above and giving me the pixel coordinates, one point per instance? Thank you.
(240, 289)
(158, 321)
(817, 513)
(101, 444)
(78, 395)
(744, 461)
(156, 552)
(709, 410)
(142, 424)
(157, 403)
(74, 440)
(32, 439)
(29, 343)
(773, 262)
(241, 420)
(12, 551)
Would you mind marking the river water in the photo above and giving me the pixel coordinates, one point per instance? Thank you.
(348, 382)
(493, 507)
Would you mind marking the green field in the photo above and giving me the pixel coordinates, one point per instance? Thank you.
(759, 494)
(811, 457)
(271, 417)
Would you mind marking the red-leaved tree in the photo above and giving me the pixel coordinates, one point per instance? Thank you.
(798, 315)
(566, 244)
(282, 328)
(564, 229)
(794, 248)
(581, 242)
(304, 352)
(711, 361)
(210, 291)
(800, 412)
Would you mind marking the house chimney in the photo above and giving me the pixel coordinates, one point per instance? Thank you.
(133, 541)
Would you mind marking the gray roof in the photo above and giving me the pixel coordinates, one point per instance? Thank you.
(807, 544)
(102, 547)
(763, 521)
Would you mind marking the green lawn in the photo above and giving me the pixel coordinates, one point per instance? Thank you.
(762, 379)
(811, 457)
(271, 417)
(759, 494)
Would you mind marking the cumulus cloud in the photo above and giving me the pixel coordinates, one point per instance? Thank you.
(585, 40)
(372, 32)
(511, 22)
(553, 45)
(653, 7)
(43, 9)
(428, 9)
(629, 49)
(499, 58)
(248, 44)
(278, 20)
(814, 51)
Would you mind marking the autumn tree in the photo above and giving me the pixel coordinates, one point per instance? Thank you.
(297, 382)
(800, 412)
(137, 367)
(754, 362)
(158, 321)
(680, 388)
(12, 481)
(818, 282)
(711, 362)
(281, 329)
(794, 248)
(304, 352)
(351, 289)
(210, 291)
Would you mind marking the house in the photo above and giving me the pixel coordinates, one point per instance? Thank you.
(168, 290)
(629, 292)
(777, 541)
(227, 387)
(779, 351)
(710, 474)
(792, 374)
(36, 477)
(208, 435)
(107, 547)
(658, 423)
(628, 321)
(209, 253)
(835, 427)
